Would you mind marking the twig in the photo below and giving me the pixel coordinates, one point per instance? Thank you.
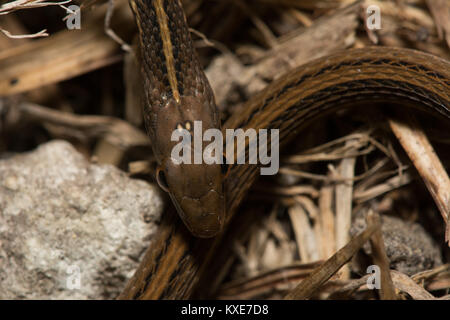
(390, 184)
(304, 235)
(27, 4)
(118, 132)
(427, 163)
(308, 286)
(387, 291)
(327, 221)
(344, 194)
(407, 285)
(42, 33)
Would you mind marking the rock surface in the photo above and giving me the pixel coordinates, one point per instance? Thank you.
(70, 229)
(409, 247)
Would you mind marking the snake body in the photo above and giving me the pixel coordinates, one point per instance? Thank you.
(358, 78)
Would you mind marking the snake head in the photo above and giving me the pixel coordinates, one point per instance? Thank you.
(195, 189)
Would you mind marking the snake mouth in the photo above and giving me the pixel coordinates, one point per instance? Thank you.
(203, 216)
(205, 233)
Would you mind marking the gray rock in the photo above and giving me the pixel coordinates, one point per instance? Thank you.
(70, 229)
(409, 247)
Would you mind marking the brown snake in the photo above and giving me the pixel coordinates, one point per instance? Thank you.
(360, 77)
(176, 94)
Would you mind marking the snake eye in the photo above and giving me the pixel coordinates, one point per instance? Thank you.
(188, 125)
(161, 179)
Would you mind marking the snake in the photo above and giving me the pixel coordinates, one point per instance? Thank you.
(177, 93)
